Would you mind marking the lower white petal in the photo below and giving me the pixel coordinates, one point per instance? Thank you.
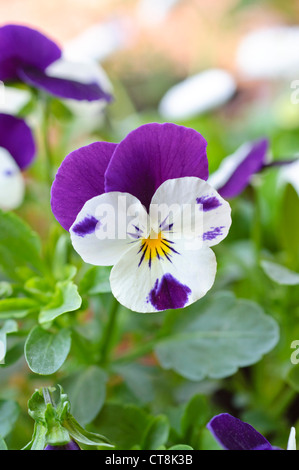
(155, 282)
(12, 185)
(107, 226)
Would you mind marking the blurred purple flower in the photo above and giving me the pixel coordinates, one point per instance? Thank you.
(26, 54)
(234, 434)
(17, 150)
(72, 445)
(235, 171)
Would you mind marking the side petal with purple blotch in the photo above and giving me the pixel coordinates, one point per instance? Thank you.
(107, 227)
(152, 154)
(193, 210)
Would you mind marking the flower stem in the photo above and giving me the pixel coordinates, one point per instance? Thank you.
(109, 332)
(47, 396)
(46, 143)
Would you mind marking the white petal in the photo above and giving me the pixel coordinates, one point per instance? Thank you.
(292, 440)
(12, 185)
(98, 42)
(12, 100)
(164, 282)
(270, 53)
(154, 11)
(194, 208)
(289, 173)
(107, 226)
(198, 94)
(228, 166)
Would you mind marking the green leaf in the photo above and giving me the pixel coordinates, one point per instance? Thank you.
(45, 352)
(289, 225)
(156, 434)
(180, 447)
(293, 377)
(37, 406)
(5, 289)
(81, 435)
(215, 337)
(65, 299)
(95, 281)
(195, 415)
(280, 274)
(56, 433)
(86, 391)
(123, 424)
(3, 445)
(19, 245)
(18, 307)
(9, 413)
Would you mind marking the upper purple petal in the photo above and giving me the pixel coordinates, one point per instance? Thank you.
(62, 87)
(152, 154)
(251, 164)
(21, 47)
(80, 177)
(16, 137)
(234, 434)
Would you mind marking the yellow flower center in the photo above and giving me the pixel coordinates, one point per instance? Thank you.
(155, 247)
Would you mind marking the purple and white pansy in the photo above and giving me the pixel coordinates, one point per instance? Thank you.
(234, 434)
(17, 150)
(28, 56)
(144, 207)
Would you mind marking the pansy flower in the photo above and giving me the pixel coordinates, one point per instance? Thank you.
(144, 207)
(234, 434)
(17, 150)
(28, 56)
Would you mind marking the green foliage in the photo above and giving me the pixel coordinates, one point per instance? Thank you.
(214, 341)
(46, 351)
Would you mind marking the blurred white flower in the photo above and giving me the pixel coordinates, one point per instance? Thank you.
(13, 100)
(12, 185)
(269, 53)
(198, 94)
(98, 42)
(89, 114)
(289, 174)
(154, 11)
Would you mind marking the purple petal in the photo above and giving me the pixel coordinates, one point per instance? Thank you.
(62, 87)
(152, 154)
(16, 137)
(234, 434)
(79, 178)
(70, 446)
(20, 47)
(251, 164)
